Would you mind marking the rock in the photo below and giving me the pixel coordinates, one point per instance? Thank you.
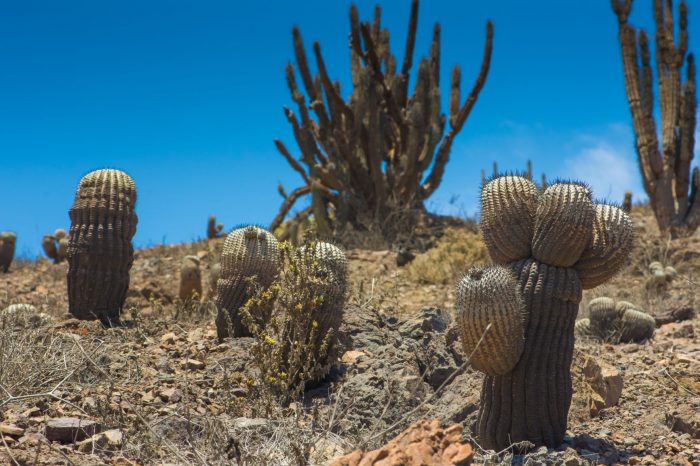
(676, 314)
(172, 395)
(686, 420)
(351, 357)
(606, 384)
(192, 364)
(325, 450)
(404, 256)
(108, 440)
(70, 429)
(11, 429)
(168, 338)
(250, 423)
(460, 399)
(422, 443)
(429, 319)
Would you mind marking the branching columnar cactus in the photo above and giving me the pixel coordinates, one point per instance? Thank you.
(7, 249)
(213, 228)
(553, 244)
(250, 255)
(56, 245)
(100, 253)
(190, 279)
(616, 322)
(383, 150)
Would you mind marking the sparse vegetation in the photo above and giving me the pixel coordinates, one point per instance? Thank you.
(456, 251)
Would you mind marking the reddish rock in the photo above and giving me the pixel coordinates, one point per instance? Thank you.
(70, 429)
(422, 443)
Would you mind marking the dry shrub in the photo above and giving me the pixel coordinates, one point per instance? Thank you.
(457, 251)
(296, 341)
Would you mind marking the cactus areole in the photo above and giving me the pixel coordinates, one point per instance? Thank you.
(100, 253)
(554, 244)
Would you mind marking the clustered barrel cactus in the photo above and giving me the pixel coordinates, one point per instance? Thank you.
(615, 322)
(250, 257)
(547, 246)
(100, 253)
(7, 249)
(56, 246)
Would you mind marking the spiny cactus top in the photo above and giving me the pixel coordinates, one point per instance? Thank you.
(7, 249)
(551, 245)
(100, 253)
(249, 253)
(327, 262)
(491, 296)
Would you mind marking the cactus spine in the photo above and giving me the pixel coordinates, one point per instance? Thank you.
(7, 249)
(250, 254)
(100, 252)
(553, 244)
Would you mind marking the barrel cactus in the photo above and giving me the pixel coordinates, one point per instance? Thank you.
(616, 322)
(56, 245)
(250, 258)
(547, 246)
(190, 279)
(7, 249)
(100, 252)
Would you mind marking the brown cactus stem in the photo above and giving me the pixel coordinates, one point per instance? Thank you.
(531, 403)
(100, 253)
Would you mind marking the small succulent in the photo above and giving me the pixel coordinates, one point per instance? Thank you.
(615, 322)
(660, 276)
(190, 279)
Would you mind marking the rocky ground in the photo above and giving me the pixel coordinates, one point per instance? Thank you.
(162, 390)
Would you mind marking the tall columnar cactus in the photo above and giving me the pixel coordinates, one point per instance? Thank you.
(100, 253)
(384, 150)
(190, 279)
(213, 228)
(674, 193)
(553, 244)
(7, 249)
(250, 258)
(56, 246)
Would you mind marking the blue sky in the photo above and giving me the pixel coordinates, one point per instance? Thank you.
(187, 97)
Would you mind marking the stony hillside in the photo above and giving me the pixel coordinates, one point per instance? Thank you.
(163, 390)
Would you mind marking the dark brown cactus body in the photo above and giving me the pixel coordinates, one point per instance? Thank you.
(532, 401)
(100, 253)
(7, 249)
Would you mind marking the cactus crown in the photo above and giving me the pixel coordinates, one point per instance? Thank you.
(615, 322)
(250, 251)
(8, 236)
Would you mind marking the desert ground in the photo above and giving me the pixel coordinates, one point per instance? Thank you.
(161, 389)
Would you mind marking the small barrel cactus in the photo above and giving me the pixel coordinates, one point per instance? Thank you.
(617, 322)
(213, 228)
(190, 279)
(660, 276)
(56, 246)
(25, 316)
(100, 252)
(7, 249)
(548, 246)
(326, 266)
(250, 255)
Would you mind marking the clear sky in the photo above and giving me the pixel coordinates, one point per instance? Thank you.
(187, 97)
